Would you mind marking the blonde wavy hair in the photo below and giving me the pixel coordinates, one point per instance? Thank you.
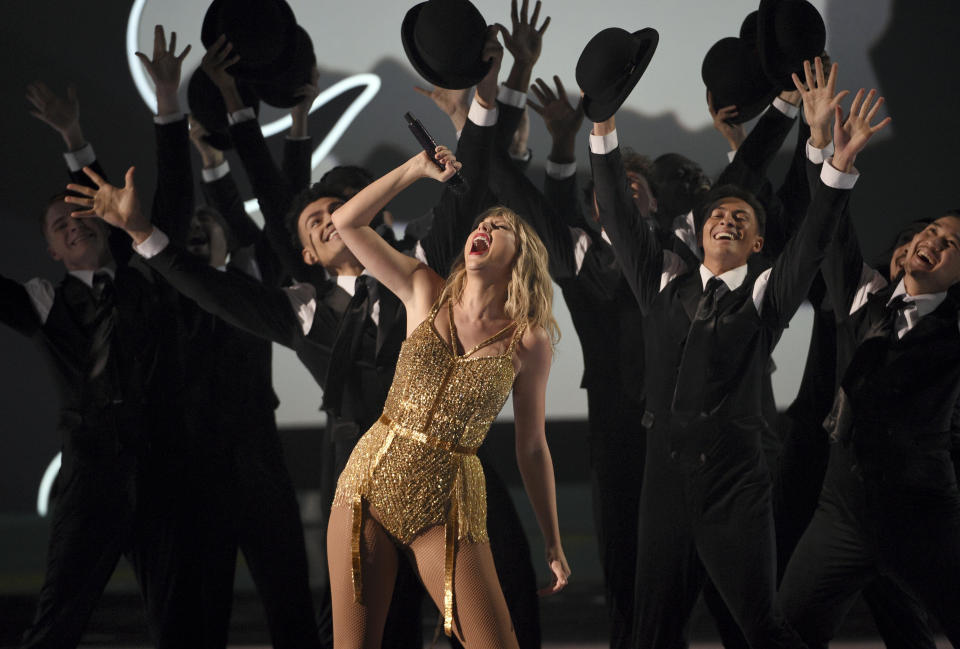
(530, 290)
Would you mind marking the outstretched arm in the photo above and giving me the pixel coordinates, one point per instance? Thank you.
(407, 278)
(533, 454)
(795, 269)
(173, 199)
(645, 263)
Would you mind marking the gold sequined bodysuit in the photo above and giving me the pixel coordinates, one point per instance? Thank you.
(417, 464)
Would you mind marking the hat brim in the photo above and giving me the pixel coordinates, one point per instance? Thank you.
(599, 111)
(747, 111)
(448, 80)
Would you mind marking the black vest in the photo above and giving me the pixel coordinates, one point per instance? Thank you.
(903, 405)
(733, 365)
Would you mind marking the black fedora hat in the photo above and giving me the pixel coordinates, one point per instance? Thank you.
(732, 72)
(281, 85)
(610, 66)
(788, 33)
(444, 42)
(259, 30)
(207, 107)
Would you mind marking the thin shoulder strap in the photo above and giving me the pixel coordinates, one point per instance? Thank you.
(517, 335)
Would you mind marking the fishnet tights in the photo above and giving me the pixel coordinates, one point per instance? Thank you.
(481, 618)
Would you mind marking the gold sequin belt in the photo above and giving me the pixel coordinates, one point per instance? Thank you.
(398, 430)
(429, 440)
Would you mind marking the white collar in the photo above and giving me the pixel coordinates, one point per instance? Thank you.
(86, 276)
(925, 302)
(732, 278)
(349, 282)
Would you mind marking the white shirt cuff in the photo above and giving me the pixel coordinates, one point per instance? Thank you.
(511, 97)
(214, 174)
(160, 120)
(82, 157)
(786, 107)
(482, 116)
(242, 115)
(602, 144)
(152, 245)
(523, 157)
(560, 171)
(731, 155)
(818, 156)
(837, 179)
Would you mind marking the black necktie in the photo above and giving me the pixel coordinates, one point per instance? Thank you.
(345, 344)
(104, 320)
(691, 375)
(886, 324)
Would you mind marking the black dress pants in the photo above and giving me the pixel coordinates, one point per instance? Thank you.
(707, 513)
(247, 503)
(865, 538)
(616, 475)
(900, 619)
(108, 508)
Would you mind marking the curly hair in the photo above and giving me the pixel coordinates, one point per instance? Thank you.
(530, 290)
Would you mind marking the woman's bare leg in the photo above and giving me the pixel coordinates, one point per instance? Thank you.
(355, 625)
(481, 619)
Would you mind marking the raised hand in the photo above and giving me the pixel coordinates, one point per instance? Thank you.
(850, 136)
(62, 114)
(492, 51)
(425, 167)
(524, 42)
(119, 207)
(211, 156)
(820, 99)
(560, 569)
(561, 118)
(164, 69)
(734, 134)
(217, 59)
(525, 39)
(455, 103)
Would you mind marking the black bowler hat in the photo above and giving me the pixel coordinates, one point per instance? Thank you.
(748, 29)
(281, 87)
(789, 32)
(444, 42)
(207, 106)
(610, 66)
(732, 72)
(259, 30)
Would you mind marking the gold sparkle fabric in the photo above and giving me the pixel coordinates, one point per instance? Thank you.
(417, 464)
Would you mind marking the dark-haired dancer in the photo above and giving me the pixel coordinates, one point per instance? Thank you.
(706, 502)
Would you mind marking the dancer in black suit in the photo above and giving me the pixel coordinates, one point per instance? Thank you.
(108, 328)
(705, 507)
(889, 505)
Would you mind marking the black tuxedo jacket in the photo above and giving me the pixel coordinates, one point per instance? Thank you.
(741, 343)
(902, 393)
(143, 350)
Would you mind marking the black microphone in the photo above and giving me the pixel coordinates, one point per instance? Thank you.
(457, 183)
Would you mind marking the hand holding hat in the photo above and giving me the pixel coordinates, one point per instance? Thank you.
(610, 66)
